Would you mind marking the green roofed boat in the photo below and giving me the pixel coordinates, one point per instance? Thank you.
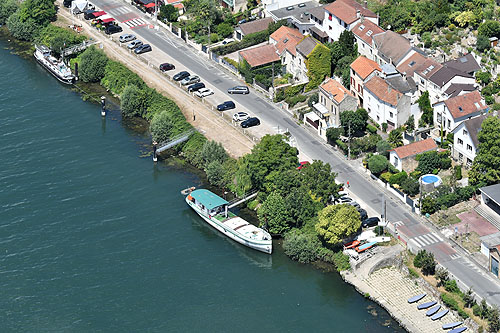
(214, 210)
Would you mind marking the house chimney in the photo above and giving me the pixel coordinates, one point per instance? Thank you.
(366, 4)
(362, 18)
(389, 88)
(358, 13)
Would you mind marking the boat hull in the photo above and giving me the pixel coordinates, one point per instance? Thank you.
(263, 246)
(59, 78)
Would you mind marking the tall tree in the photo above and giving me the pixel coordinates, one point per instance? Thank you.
(337, 222)
(272, 153)
(396, 138)
(319, 180)
(357, 119)
(485, 168)
(424, 103)
(274, 215)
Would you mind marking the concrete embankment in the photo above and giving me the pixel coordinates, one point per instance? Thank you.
(383, 279)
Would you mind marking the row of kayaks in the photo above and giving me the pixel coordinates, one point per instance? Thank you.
(434, 313)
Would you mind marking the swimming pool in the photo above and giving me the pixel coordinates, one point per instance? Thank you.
(430, 181)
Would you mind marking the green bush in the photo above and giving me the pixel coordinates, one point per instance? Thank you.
(413, 273)
(7, 8)
(192, 148)
(301, 246)
(452, 287)
(92, 64)
(292, 101)
(458, 172)
(372, 129)
(293, 91)
(462, 313)
(386, 176)
(449, 301)
(425, 261)
(476, 310)
(117, 77)
(58, 38)
(398, 178)
(341, 261)
(248, 40)
(384, 127)
(252, 205)
(377, 164)
(342, 145)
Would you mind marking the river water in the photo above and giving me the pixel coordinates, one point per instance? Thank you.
(95, 237)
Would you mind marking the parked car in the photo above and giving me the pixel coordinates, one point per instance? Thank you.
(204, 92)
(343, 194)
(254, 121)
(126, 38)
(227, 41)
(370, 222)
(343, 200)
(181, 76)
(227, 105)
(190, 80)
(134, 44)
(197, 86)
(142, 49)
(88, 14)
(302, 165)
(166, 67)
(362, 214)
(113, 29)
(354, 204)
(240, 116)
(238, 90)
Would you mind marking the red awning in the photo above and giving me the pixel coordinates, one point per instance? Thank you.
(108, 20)
(97, 14)
(149, 5)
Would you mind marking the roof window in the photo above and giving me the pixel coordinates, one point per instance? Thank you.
(301, 5)
(285, 40)
(289, 8)
(369, 33)
(460, 109)
(361, 27)
(412, 63)
(477, 105)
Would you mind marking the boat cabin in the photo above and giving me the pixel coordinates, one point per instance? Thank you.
(208, 202)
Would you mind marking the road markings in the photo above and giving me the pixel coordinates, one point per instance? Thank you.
(427, 239)
(135, 23)
(165, 38)
(455, 256)
(119, 10)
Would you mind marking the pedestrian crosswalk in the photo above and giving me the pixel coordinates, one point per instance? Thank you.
(119, 10)
(427, 239)
(134, 23)
(455, 256)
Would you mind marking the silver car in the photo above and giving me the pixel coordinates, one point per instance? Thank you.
(240, 116)
(126, 38)
(134, 44)
(190, 80)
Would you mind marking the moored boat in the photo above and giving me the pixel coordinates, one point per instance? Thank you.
(433, 310)
(214, 210)
(426, 305)
(440, 315)
(55, 66)
(452, 325)
(458, 330)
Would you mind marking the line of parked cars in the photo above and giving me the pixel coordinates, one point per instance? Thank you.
(135, 44)
(345, 199)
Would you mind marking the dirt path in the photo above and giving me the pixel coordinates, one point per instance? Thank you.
(203, 119)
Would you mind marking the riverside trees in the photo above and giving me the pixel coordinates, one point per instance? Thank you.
(31, 16)
(337, 222)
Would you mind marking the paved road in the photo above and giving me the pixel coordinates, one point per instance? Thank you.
(408, 224)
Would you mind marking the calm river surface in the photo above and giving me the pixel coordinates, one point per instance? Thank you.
(94, 237)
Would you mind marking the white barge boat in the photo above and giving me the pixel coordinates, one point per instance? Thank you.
(214, 210)
(56, 67)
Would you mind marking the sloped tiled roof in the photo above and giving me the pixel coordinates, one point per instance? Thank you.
(428, 68)
(445, 74)
(260, 55)
(392, 45)
(364, 66)
(307, 45)
(383, 91)
(334, 88)
(466, 64)
(456, 88)
(473, 126)
(255, 26)
(286, 38)
(410, 65)
(346, 10)
(366, 30)
(415, 148)
(465, 104)
(318, 12)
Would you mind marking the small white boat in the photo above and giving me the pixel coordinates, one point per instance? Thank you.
(214, 210)
(440, 315)
(56, 67)
(416, 298)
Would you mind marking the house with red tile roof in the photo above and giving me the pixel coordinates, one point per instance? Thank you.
(285, 38)
(334, 98)
(385, 104)
(453, 111)
(344, 15)
(364, 31)
(362, 69)
(260, 55)
(403, 158)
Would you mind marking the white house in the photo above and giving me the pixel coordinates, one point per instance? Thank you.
(465, 142)
(344, 15)
(362, 70)
(385, 104)
(364, 31)
(334, 98)
(452, 112)
(403, 158)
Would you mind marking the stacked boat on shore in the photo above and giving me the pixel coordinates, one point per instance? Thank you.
(56, 67)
